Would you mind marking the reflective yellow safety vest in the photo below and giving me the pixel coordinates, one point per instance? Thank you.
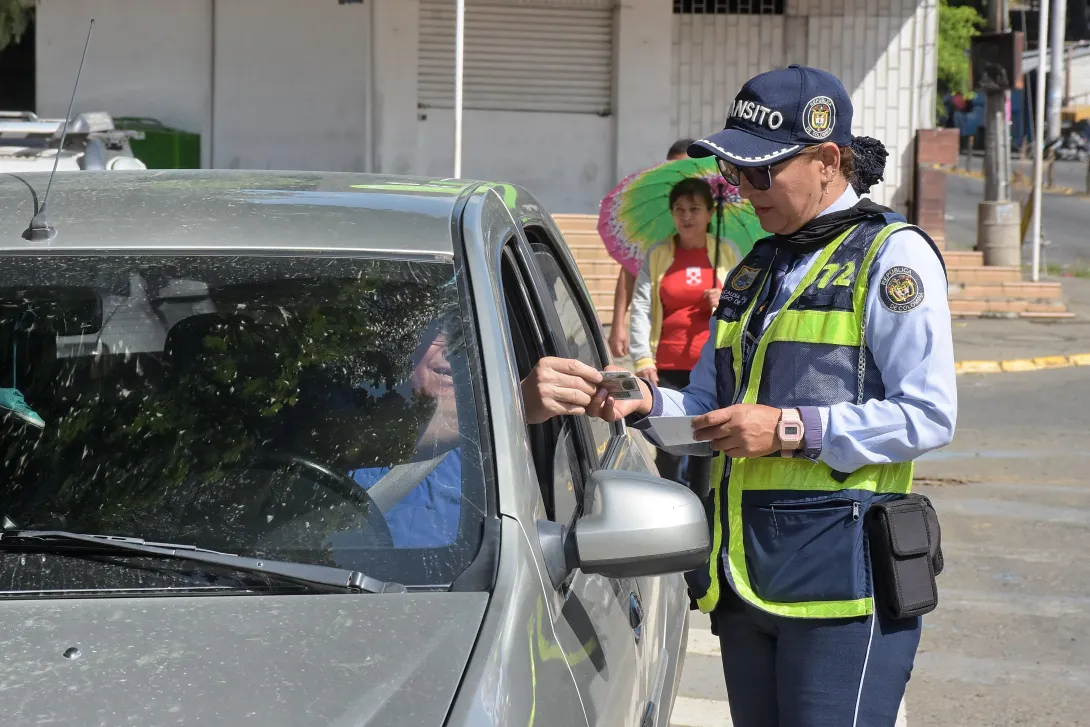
(788, 533)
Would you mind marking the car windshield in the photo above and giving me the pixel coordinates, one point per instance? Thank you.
(316, 410)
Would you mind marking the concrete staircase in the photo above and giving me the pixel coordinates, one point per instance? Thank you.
(976, 290)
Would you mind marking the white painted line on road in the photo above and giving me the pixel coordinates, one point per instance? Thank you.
(692, 712)
(702, 642)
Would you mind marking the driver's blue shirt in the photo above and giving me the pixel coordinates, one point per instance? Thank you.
(428, 516)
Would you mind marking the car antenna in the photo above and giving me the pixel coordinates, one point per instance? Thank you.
(40, 229)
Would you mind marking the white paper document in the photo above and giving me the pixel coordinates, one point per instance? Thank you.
(678, 432)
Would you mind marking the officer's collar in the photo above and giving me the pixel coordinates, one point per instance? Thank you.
(846, 200)
(830, 224)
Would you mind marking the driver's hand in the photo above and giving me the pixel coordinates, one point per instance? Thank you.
(558, 386)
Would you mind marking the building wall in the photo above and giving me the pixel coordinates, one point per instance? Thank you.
(711, 57)
(883, 50)
(885, 53)
(291, 85)
(147, 58)
(1079, 79)
(565, 160)
(394, 55)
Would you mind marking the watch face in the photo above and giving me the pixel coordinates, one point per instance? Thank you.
(791, 431)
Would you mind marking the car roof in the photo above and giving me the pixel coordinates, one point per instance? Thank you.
(232, 211)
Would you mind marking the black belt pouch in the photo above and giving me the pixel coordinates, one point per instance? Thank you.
(906, 555)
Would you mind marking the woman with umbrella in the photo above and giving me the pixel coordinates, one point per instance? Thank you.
(626, 279)
(636, 215)
(675, 294)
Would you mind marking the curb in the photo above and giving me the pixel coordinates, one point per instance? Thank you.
(1022, 364)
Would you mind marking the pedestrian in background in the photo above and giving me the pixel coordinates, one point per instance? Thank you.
(829, 370)
(626, 281)
(675, 294)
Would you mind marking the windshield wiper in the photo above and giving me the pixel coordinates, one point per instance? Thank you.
(319, 576)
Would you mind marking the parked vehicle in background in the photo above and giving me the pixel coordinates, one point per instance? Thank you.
(29, 144)
(266, 461)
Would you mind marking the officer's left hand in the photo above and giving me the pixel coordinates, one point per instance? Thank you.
(742, 430)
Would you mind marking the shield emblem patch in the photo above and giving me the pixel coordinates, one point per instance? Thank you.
(744, 278)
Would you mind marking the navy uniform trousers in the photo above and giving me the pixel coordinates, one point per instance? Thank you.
(791, 672)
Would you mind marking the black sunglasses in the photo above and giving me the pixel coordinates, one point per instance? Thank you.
(760, 178)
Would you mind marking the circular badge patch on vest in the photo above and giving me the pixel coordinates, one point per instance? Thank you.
(819, 116)
(902, 289)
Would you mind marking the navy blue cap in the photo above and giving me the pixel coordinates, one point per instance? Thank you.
(778, 114)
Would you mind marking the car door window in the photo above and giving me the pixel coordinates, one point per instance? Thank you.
(579, 335)
(556, 444)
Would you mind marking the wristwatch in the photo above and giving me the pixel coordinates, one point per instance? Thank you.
(790, 431)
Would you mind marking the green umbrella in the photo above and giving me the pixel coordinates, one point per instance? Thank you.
(636, 214)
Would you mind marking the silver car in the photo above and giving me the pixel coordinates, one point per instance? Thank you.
(266, 461)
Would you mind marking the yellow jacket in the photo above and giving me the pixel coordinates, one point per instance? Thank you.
(646, 326)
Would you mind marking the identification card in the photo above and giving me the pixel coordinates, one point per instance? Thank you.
(622, 385)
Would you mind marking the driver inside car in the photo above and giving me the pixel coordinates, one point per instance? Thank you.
(421, 499)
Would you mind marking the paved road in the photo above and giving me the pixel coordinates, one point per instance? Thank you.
(1064, 226)
(1010, 642)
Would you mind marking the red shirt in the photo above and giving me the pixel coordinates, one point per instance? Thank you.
(685, 314)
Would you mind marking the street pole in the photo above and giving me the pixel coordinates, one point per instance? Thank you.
(459, 70)
(998, 220)
(1056, 84)
(1039, 132)
(996, 180)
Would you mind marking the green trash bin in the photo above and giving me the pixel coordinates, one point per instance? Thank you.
(162, 147)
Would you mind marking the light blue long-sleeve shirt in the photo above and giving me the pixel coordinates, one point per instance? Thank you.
(913, 350)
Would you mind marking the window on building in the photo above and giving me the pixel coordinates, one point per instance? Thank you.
(728, 7)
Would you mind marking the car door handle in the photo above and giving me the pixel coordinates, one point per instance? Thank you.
(635, 615)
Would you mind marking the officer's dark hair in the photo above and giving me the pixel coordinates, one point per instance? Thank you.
(680, 148)
(863, 163)
(694, 187)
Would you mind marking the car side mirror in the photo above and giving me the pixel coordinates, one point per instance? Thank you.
(634, 525)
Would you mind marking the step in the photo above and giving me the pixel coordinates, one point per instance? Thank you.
(599, 267)
(589, 237)
(1005, 307)
(1019, 290)
(582, 253)
(576, 223)
(984, 274)
(963, 259)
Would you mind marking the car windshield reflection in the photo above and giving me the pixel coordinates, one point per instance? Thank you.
(311, 410)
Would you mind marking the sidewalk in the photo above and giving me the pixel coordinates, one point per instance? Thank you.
(1000, 339)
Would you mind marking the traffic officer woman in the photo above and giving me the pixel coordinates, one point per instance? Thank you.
(829, 370)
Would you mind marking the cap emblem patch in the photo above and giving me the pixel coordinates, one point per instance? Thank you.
(819, 117)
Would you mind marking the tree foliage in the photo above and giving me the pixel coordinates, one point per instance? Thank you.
(957, 26)
(14, 20)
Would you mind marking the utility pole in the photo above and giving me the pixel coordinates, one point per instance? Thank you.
(459, 81)
(997, 133)
(998, 221)
(1056, 82)
(1039, 141)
